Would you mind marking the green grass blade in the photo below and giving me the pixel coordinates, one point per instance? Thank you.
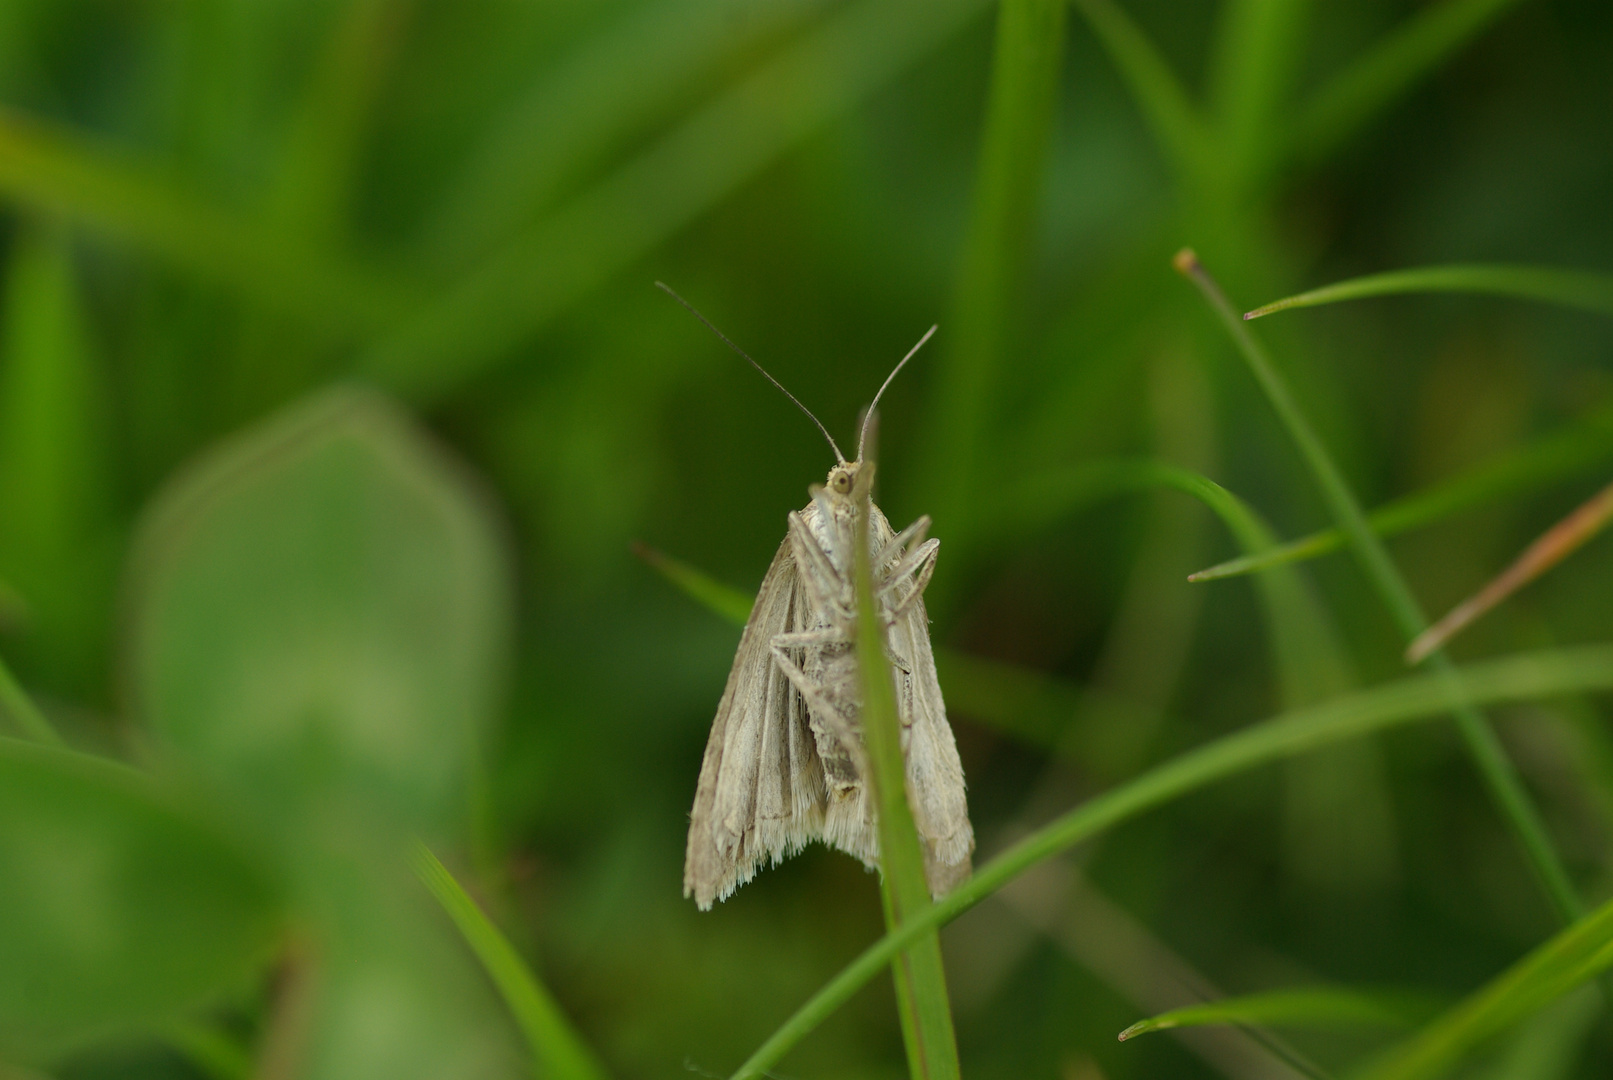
(646, 201)
(209, 1050)
(1576, 448)
(1324, 1008)
(1418, 697)
(570, 117)
(1389, 69)
(1514, 803)
(58, 172)
(1177, 126)
(554, 1042)
(1569, 959)
(1028, 54)
(1582, 289)
(723, 600)
(921, 990)
(24, 714)
(1257, 54)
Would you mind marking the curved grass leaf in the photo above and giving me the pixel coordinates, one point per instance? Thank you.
(1571, 958)
(1582, 289)
(1575, 448)
(118, 907)
(1420, 697)
(687, 172)
(552, 1039)
(1388, 70)
(1489, 757)
(19, 708)
(1319, 1007)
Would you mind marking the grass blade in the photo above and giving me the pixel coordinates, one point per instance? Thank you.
(1177, 126)
(1027, 57)
(1319, 1007)
(1256, 57)
(685, 174)
(1496, 769)
(1418, 697)
(553, 1041)
(56, 171)
(1582, 289)
(1571, 450)
(1572, 957)
(1558, 542)
(1390, 69)
(921, 991)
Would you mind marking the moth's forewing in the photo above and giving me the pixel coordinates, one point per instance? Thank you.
(760, 793)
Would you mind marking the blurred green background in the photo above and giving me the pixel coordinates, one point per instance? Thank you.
(334, 392)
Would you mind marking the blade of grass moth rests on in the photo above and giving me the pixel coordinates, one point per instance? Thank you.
(784, 764)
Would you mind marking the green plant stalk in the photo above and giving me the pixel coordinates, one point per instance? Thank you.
(1573, 956)
(1493, 764)
(24, 713)
(1418, 697)
(554, 1043)
(1026, 60)
(1409, 53)
(1582, 289)
(1316, 1007)
(932, 1048)
(1573, 449)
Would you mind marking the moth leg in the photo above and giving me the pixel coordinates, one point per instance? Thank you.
(913, 534)
(923, 560)
(818, 572)
(822, 706)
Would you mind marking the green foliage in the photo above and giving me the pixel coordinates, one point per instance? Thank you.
(288, 603)
(1311, 1006)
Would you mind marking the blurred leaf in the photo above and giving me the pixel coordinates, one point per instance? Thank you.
(577, 110)
(1177, 126)
(1320, 1007)
(1581, 289)
(1370, 84)
(1572, 957)
(320, 609)
(1571, 450)
(55, 482)
(1514, 678)
(320, 612)
(1548, 1045)
(117, 908)
(21, 710)
(59, 172)
(1027, 59)
(554, 1044)
(645, 202)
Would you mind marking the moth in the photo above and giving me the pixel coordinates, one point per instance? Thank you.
(785, 764)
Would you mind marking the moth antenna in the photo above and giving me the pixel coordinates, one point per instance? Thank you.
(863, 434)
(726, 341)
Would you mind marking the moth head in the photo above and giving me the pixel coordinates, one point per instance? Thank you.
(849, 478)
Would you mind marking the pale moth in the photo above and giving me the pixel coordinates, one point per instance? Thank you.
(784, 764)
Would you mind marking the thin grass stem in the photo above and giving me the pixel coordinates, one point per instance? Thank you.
(921, 992)
(23, 712)
(1418, 697)
(1494, 766)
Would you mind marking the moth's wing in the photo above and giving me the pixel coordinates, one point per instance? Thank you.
(934, 773)
(760, 792)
